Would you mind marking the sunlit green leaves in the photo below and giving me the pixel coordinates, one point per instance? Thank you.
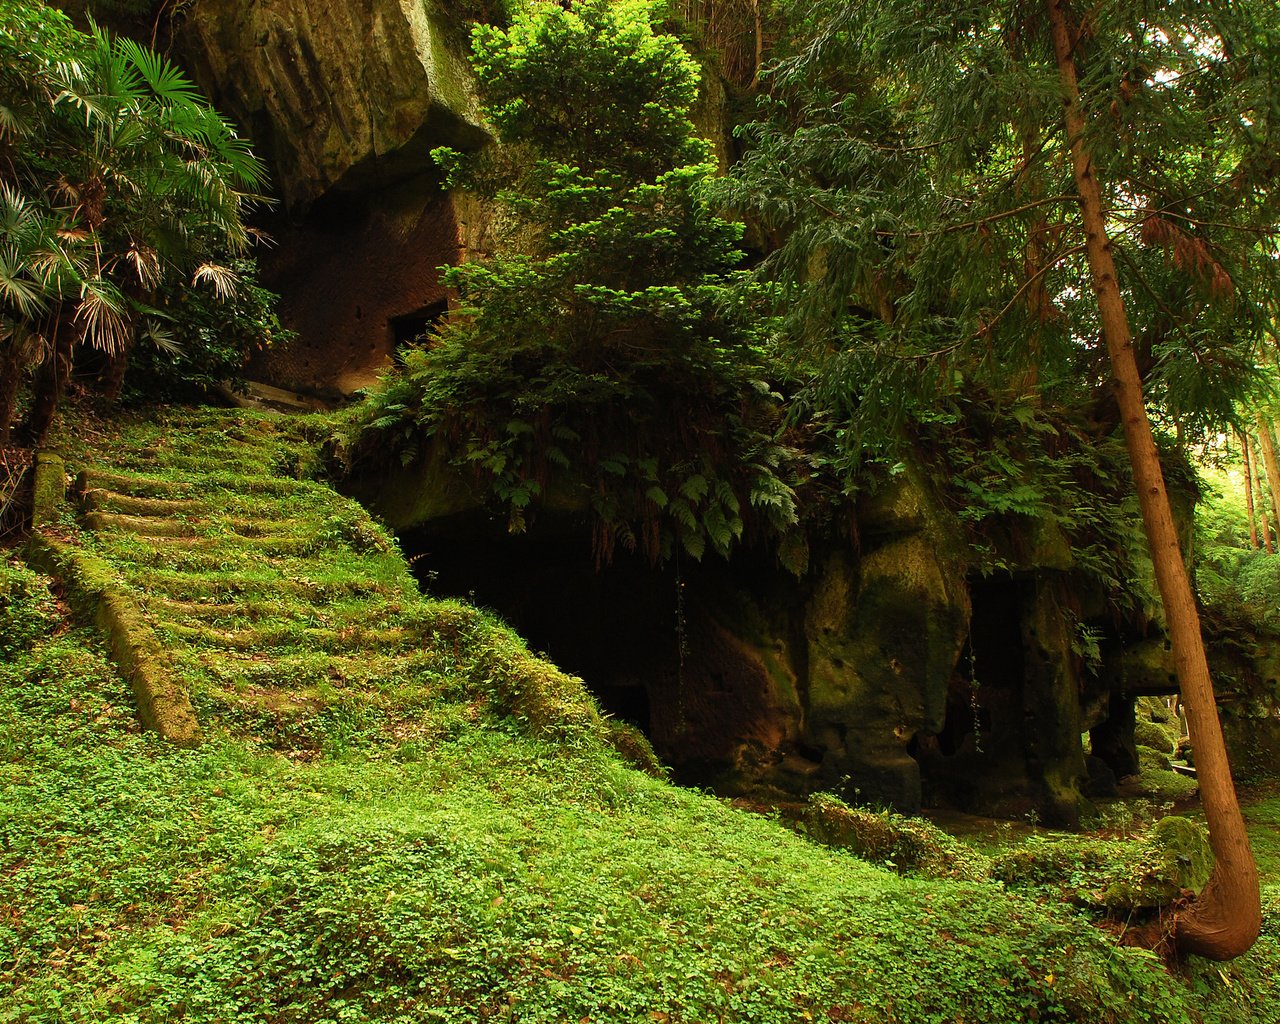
(604, 324)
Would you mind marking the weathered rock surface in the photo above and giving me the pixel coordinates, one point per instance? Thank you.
(857, 677)
(336, 95)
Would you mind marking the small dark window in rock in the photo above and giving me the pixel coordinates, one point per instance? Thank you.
(410, 327)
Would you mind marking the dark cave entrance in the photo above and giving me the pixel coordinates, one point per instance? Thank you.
(409, 328)
(688, 652)
(991, 668)
(616, 628)
(976, 761)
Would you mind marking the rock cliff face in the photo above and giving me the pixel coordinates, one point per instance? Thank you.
(889, 671)
(345, 101)
(337, 96)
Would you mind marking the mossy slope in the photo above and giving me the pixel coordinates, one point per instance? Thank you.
(487, 866)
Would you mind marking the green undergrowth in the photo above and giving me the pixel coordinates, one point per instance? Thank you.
(1262, 814)
(439, 831)
(483, 876)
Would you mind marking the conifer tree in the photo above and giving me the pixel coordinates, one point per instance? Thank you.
(594, 351)
(969, 191)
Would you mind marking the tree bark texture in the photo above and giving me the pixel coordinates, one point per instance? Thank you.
(10, 379)
(50, 384)
(1247, 453)
(1267, 446)
(1260, 499)
(1225, 920)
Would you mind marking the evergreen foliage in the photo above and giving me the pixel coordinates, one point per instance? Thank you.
(597, 353)
(980, 171)
(912, 161)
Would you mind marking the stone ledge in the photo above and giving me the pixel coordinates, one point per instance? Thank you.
(163, 703)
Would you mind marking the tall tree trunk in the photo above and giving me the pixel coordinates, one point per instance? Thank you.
(1225, 920)
(1248, 489)
(50, 383)
(1260, 499)
(1268, 449)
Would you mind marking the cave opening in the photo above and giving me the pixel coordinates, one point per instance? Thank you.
(409, 328)
(616, 627)
(985, 692)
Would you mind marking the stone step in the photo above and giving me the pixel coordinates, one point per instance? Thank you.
(141, 526)
(310, 638)
(234, 546)
(327, 614)
(103, 500)
(188, 586)
(274, 486)
(187, 559)
(297, 671)
(133, 485)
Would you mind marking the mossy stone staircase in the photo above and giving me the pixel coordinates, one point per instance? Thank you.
(278, 605)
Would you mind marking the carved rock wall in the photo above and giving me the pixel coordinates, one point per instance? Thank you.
(347, 94)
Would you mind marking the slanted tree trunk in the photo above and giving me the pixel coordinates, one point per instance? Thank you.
(1260, 498)
(1225, 920)
(1248, 489)
(1268, 449)
(117, 365)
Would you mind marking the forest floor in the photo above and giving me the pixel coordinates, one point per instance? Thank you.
(397, 813)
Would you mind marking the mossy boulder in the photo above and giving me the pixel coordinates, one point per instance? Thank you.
(1120, 876)
(1155, 736)
(1150, 757)
(1175, 857)
(907, 845)
(1167, 785)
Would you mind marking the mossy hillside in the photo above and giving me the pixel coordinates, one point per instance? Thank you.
(287, 611)
(488, 875)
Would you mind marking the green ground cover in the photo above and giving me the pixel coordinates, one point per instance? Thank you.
(499, 862)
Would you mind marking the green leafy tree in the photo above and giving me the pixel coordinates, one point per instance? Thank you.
(130, 184)
(1051, 201)
(596, 353)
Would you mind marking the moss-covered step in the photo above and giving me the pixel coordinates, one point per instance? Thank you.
(94, 591)
(284, 609)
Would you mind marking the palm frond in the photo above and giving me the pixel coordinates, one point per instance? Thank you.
(17, 289)
(166, 81)
(155, 332)
(102, 315)
(145, 262)
(223, 280)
